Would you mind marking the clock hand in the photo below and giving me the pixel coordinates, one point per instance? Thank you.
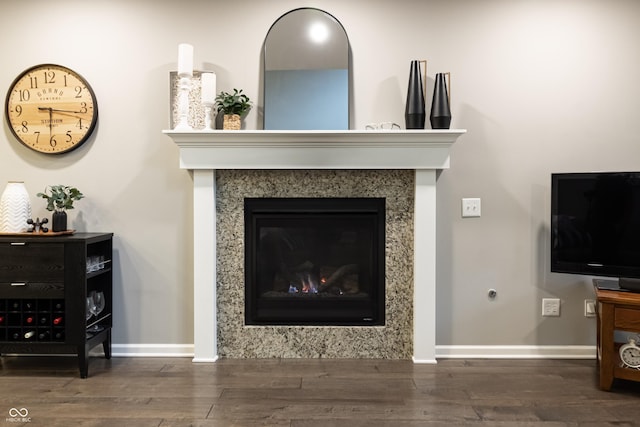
(59, 110)
(50, 118)
(65, 111)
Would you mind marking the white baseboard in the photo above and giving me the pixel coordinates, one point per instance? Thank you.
(516, 352)
(152, 350)
(442, 351)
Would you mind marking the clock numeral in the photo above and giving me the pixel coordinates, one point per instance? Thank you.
(83, 107)
(69, 137)
(52, 141)
(49, 76)
(65, 80)
(79, 124)
(37, 134)
(34, 82)
(18, 110)
(78, 91)
(24, 127)
(24, 95)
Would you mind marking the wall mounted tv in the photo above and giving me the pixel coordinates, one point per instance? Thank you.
(595, 225)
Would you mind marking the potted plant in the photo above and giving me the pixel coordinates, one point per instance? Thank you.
(233, 106)
(60, 198)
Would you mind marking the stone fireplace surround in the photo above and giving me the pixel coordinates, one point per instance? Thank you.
(373, 153)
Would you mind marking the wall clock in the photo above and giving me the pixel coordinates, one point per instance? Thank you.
(630, 354)
(51, 109)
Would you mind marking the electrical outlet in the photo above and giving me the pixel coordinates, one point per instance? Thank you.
(471, 207)
(551, 306)
(589, 308)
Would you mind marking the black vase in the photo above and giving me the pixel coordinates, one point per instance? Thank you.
(440, 112)
(59, 221)
(414, 113)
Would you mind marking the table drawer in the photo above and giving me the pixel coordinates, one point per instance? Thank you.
(627, 318)
(32, 290)
(31, 262)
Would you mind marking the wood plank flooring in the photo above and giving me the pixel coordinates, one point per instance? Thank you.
(312, 393)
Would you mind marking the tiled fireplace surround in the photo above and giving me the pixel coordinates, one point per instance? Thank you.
(398, 165)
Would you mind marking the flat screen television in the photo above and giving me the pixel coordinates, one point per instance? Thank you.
(595, 225)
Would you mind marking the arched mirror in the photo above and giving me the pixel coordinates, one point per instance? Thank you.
(306, 72)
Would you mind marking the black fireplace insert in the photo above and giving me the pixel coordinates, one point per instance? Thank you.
(314, 261)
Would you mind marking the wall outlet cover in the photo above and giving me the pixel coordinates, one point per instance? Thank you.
(551, 306)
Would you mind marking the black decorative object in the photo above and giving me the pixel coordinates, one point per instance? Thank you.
(37, 226)
(440, 111)
(414, 113)
(59, 221)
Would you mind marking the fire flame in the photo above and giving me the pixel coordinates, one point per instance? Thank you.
(307, 285)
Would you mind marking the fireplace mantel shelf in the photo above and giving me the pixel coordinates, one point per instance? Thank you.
(352, 149)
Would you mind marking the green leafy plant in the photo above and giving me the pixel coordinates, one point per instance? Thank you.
(233, 103)
(60, 197)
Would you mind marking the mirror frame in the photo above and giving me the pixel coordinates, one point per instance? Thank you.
(349, 63)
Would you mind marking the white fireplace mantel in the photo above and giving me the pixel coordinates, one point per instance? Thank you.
(425, 151)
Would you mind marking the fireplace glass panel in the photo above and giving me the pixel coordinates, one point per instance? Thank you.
(314, 261)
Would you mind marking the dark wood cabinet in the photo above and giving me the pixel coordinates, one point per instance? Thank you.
(48, 286)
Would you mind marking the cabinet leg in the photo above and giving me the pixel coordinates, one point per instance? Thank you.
(83, 361)
(106, 345)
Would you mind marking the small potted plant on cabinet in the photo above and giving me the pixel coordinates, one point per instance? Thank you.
(60, 198)
(233, 106)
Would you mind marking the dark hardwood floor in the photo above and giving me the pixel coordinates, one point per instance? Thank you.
(312, 393)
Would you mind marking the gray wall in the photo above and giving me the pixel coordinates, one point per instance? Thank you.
(541, 86)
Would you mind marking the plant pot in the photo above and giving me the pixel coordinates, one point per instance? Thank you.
(231, 122)
(59, 221)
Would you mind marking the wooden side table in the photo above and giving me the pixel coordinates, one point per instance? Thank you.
(617, 311)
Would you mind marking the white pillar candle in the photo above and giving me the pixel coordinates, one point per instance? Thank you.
(185, 59)
(208, 88)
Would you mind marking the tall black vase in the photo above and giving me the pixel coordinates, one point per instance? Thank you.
(440, 112)
(59, 221)
(414, 113)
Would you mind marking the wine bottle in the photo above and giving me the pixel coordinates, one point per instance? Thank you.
(1, 320)
(44, 335)
(28, 320)
(29, 334)
(44, 320)
(57, 320)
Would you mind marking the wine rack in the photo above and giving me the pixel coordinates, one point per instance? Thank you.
(46, 285)
(29, 320)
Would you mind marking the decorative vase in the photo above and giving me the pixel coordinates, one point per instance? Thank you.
(15, 208)
(414, 113)
(59, 221)
(231, 122)
(440, 117)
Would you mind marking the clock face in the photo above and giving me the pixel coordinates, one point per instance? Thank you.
(630, 355)
(51, 109)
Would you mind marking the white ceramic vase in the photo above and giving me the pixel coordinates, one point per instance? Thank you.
(15, 208)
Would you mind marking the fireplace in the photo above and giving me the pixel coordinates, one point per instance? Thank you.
(314, 261)
(410, 324)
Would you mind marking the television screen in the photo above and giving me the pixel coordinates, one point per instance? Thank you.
(595, 223)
